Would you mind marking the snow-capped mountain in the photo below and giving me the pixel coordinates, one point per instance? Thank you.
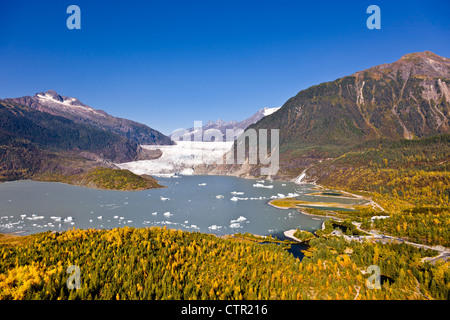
(73, 109)
(61, 104)
(222, 126)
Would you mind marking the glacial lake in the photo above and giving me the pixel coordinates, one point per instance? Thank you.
(211, 204)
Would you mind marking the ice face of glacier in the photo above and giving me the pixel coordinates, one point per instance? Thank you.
(180, 158)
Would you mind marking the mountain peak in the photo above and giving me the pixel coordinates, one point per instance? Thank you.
(51, 94)
(424, 64)
(404, 99)
(422, 55)
(58, 101)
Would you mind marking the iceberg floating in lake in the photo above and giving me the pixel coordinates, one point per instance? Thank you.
(214, 227)
(164, 199)
(154, 213)
(100, 217)
(238, 198)
(259, 185)
(167, 214)
(235, 225)
(219, 196)
(35, 217)
(236, 193)
(68, 219)
(202, 184)
(240, 219)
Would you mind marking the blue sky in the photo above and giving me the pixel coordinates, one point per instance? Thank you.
(168, 63)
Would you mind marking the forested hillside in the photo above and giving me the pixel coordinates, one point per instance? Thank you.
(410, 179)
(21, 124)
(416, 172)
(157, 263)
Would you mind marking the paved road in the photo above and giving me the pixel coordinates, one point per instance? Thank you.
(444, 253)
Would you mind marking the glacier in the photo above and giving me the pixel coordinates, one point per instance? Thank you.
(180, 158)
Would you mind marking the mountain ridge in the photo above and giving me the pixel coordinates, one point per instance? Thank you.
(405, 99)
(396, 100)
(73, 109)
(41, 146)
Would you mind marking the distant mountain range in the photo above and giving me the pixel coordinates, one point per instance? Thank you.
(222, 126)
(71, 108)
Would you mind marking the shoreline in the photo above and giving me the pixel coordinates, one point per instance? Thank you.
(290, 234)
(84, 186)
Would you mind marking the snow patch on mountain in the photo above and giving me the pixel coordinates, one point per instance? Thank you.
(68, 104)
(269, 111)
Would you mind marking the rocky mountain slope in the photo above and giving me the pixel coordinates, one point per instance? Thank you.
(406, 99)
(73, 109)
(41, 146)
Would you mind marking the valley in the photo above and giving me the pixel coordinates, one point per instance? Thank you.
(364, 180)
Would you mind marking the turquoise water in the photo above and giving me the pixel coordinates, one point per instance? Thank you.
(188, 203)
